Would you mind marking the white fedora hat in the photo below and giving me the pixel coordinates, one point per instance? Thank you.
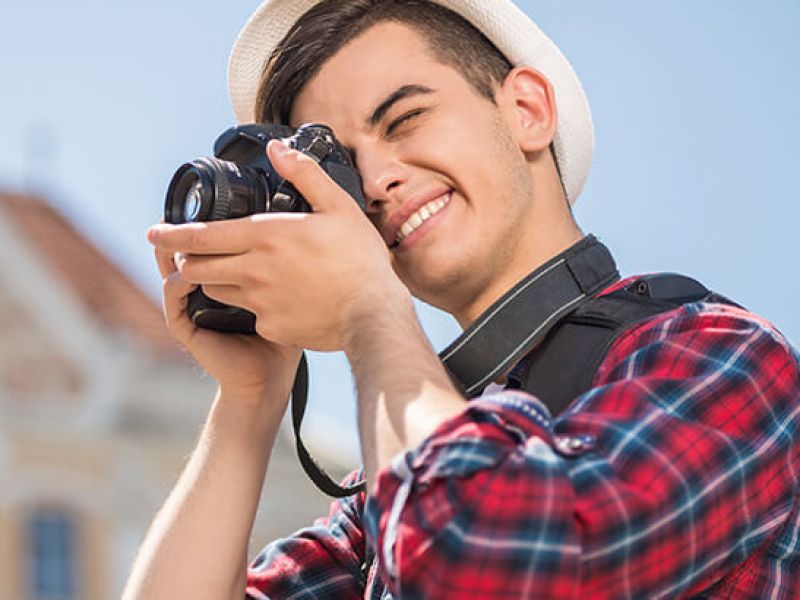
(510, 29)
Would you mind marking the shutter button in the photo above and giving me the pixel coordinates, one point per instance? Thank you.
(574, 445)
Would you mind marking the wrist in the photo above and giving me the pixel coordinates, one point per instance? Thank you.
(271, 391)
(276, 385)
(253, 398)
(250, 416)
(384, 316)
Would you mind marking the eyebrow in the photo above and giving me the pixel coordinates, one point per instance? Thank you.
(400, 94)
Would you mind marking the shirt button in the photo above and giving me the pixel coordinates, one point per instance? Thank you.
(573, 445)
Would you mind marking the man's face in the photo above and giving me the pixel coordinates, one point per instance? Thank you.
(447, 187)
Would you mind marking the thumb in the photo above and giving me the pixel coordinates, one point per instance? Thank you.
(302, 171)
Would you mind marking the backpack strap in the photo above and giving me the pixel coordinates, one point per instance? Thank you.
(563, 366)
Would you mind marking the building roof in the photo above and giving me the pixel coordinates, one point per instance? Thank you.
(104, 290)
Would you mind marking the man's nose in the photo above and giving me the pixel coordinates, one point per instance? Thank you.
(382, 176)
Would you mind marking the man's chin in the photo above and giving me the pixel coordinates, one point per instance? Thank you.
(442, 270)
(439, 287)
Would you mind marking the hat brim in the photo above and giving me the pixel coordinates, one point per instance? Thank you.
(501, 21)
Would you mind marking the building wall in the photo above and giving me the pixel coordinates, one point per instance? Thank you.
(96, 424)
(113, 484)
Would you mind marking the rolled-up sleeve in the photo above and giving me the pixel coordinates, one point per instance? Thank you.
(661, 481)
(318, 562)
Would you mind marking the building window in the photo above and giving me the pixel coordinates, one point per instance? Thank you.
(52, 555)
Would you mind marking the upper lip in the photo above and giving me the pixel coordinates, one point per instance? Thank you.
(394, 221)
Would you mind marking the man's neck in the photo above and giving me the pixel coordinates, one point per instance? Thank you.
(531, 259)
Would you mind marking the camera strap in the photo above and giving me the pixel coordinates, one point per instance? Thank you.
(521, 318)
(317, 474)
(503, 335)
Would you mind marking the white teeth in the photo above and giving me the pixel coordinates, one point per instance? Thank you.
(422, 215)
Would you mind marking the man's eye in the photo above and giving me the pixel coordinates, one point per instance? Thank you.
(402, 120)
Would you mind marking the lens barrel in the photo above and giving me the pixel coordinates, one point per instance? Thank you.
(210, 189)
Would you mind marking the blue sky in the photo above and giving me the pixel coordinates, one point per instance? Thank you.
(695, 106)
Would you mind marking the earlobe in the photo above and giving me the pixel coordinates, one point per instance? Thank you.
(531, 99)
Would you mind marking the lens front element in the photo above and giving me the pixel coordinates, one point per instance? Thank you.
(209, 189)
(193, 202)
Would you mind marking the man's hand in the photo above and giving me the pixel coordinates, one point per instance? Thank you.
(324, 281)
(310, 279)
(243, 365)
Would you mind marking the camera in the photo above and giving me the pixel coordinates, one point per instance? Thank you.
(240, 181)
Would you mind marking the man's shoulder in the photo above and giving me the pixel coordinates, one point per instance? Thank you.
(710, 328)
(710, 315)
(650, 326)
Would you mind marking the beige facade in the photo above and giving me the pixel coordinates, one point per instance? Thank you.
(98, 412)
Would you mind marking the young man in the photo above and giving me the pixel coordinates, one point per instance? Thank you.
(673, 474)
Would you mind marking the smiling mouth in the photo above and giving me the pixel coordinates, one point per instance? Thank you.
(416, 220)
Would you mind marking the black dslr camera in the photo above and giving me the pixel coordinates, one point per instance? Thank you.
(241, 181)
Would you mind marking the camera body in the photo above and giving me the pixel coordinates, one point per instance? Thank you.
(240, 181)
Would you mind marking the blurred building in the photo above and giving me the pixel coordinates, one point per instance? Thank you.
(99, 410)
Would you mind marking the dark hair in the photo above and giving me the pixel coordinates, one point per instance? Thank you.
(329, 25)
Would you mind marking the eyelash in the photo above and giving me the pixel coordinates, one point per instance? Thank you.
(402, 119)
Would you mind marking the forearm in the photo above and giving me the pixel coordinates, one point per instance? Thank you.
(197, 544)
(403, 391)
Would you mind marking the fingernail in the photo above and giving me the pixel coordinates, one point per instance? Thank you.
(279, 148)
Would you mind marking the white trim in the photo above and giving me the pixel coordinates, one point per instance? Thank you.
(527, 340)
(499, 307)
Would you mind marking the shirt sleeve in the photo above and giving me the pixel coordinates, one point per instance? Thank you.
(318, 562)
(674, 468)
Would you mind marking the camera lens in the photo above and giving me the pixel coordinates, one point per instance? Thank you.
(193, 202)
(209, 189)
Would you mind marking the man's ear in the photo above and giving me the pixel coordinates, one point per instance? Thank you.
(529, 101)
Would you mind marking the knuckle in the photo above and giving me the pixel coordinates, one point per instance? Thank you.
(245, 300)
(197, 237)
(247, 277)
(256, 278)
(261, 240)
(250, 281)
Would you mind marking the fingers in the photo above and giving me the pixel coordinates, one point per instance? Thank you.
(232, 295)
(176, 289)
(308, 177)
(218, 237)
(219, 276)
(199, 269)
(176, 292)
(166, 262)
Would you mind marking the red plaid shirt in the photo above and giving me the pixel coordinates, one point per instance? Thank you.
(676, 475)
